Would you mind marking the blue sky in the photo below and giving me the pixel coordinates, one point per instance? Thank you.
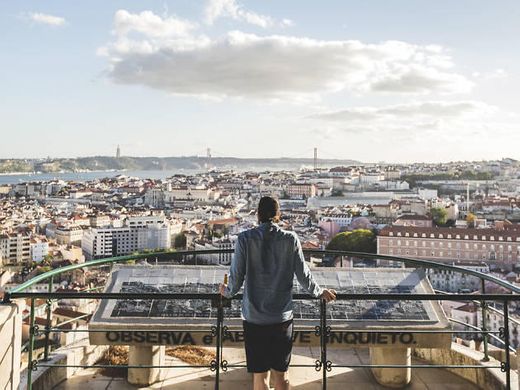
(393, 81)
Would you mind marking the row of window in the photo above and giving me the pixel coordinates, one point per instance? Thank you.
(454, 254)
(456, 236)
(458, 245)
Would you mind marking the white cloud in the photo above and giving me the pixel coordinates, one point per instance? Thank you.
(230, 8)
(50, 20)
(431, 111)
(167, 57)
(493, 75)
(419, 122)
(151, 25)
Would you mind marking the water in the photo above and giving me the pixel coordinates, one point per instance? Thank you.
(86, 176)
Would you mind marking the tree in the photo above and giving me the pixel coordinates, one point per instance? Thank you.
(359, 240)
(179, 240)
(439, 215)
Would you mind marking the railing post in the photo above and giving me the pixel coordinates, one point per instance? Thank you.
(324, 333)
(483, 305)
(48, 322)
(507, 366)
(220, 320)
(32, 331)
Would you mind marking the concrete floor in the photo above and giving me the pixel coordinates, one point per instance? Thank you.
(301, 378)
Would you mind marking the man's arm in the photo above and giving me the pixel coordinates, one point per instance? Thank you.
(237, 270)
(303, 273)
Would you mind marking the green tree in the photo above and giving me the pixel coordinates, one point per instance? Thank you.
(359, 240)
(179, 240)
(439, 215)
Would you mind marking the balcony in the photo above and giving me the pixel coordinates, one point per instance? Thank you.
(319, 362)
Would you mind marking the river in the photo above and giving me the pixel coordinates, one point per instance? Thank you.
(86, 176)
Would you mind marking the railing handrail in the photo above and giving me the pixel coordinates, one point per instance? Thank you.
(110, 260)
(208, 296)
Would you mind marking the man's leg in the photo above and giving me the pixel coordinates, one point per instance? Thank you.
(261, 380)
(281, 380)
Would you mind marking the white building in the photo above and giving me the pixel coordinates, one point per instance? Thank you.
(68, 235)
(153, 237)
(342, 220)
(39, 249)
(108, 242)
(217, 258)
(451, 281)
(15, 248)
(138, 234)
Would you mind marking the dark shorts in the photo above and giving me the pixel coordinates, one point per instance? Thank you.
(268, 346)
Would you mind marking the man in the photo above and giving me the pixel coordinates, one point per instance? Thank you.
(266, 259)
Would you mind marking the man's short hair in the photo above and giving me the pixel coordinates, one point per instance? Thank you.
(268, 210)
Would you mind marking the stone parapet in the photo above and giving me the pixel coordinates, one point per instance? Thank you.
(10, 344)
(489, 378)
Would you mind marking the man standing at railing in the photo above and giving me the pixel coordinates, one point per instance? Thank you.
(266, 259)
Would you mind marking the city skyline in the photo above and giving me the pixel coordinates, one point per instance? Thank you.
(410, 81)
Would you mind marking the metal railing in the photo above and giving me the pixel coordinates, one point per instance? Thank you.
(219, 330)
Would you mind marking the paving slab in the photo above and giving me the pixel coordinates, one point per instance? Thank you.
(301, 378)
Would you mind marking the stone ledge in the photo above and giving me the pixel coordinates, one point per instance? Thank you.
(78, 353)
(490, 378)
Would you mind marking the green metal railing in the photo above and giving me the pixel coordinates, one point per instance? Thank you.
(219, 329)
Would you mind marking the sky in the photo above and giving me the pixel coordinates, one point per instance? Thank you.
(395, 81)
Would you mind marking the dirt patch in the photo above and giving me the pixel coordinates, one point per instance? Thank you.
(115, 355)
(118, 355)
(197, 356)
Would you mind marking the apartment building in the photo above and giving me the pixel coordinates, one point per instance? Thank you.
(107, 242)
(450, 281)
(216, 258)
(301, 190)
(138, 234)
(451, 244)
(68, 235)
(39, 248)
(15, 248)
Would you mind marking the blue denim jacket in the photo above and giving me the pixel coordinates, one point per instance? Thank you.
(265, 261)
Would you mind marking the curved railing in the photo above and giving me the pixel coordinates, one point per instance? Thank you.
(360, 255)
(21, 291)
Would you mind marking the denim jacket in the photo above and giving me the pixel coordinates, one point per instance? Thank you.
(266, 259)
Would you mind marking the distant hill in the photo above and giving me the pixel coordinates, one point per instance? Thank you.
(100, 163)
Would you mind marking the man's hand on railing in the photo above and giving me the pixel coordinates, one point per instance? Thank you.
(328, 295)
